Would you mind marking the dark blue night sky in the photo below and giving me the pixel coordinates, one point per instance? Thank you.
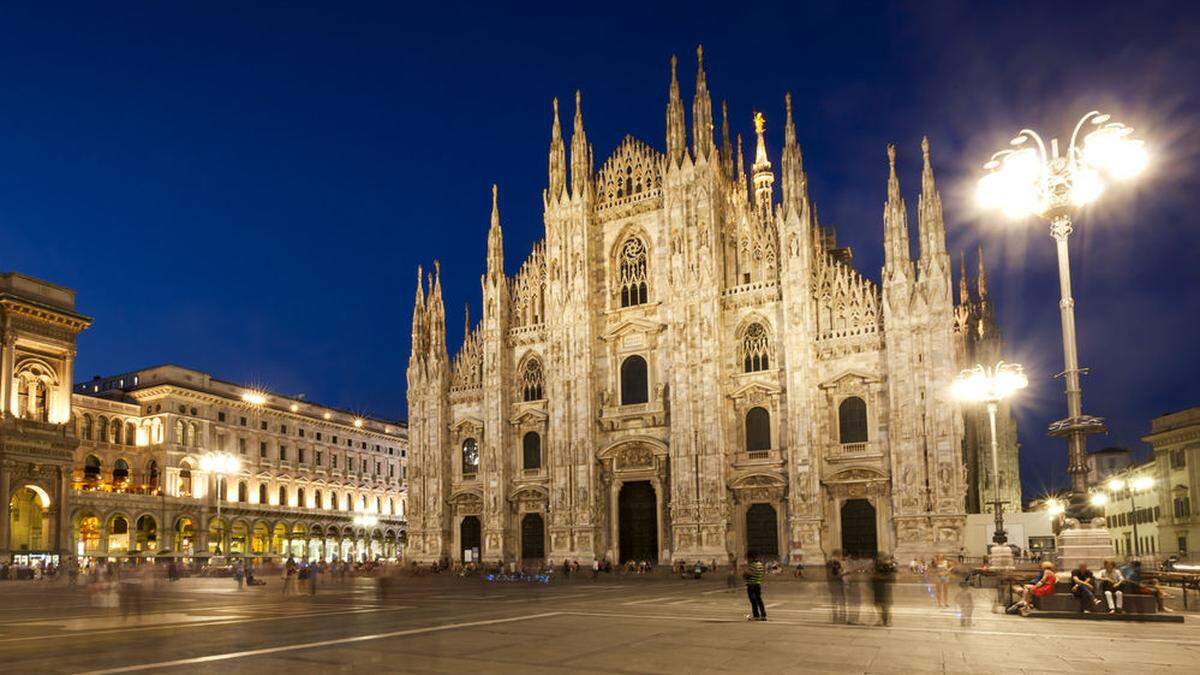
(248, 190)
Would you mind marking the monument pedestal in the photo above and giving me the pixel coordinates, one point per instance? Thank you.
(1000, 557)
(1090, 544)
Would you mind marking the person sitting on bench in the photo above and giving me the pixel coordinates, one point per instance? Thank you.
(1134, 584)
(1083, 586)
(1111, 583)
(1040, 588)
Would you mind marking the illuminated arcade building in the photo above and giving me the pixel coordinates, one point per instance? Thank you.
(305, 480)
(122, 465)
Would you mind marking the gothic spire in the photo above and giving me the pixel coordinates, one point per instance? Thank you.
(795, 184)
(581, 153)
(702, 119)
(418, 320)
(676, 132)
(558, 157)
(931, 227)
(495, 252)
(982, 279)
(466, 319)
(763, 177)
(741, 166)
(726, 149)
(437, 312)
(895, 220)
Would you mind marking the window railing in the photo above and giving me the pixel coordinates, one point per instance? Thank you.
(840, 449)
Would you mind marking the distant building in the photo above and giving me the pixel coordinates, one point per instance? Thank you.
(114, 467)
(307, 471)
(1176, 441)
(1105, 462)
(1133, 512)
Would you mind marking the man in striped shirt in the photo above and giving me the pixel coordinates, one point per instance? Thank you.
(754, 579)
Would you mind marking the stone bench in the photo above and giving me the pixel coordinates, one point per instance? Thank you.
(1063, 601)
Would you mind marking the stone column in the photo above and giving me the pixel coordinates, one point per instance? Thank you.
(64, 510)
(4, 503)
(614, 532)
(663, 543)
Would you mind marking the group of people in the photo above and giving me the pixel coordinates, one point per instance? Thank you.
(1110, 583)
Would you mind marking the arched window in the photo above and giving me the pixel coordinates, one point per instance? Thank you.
(755, 349)
(470, 457)
(317, 500)
(378, 505)
(85, 431)
(185, 482)
(758, 430)
(91, 468)
(102, 429)
(532, 450)
(242, 492)
(531, 380)
(262, 493)
(283, 495)
(116, 432)
(120, 471)
(852, 420)
(391, 506)
(631, 273)
(130, 434)
(300, 498)
(635, 387)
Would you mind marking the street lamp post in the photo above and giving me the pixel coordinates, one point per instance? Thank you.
(1027, 180)
(990, 386)
(221, 464)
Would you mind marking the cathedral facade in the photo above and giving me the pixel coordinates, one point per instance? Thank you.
(687, 366)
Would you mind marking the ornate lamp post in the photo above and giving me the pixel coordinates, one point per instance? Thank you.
(1025, 180)
(990, 386)
(221, 464)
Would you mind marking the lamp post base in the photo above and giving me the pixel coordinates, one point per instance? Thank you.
(1000, 557)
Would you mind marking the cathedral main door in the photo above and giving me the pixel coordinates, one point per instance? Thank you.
(859, 538)
(470, 536)
(762, 531)
(533, 537)
(638, 522)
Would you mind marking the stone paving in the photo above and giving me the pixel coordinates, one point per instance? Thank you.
(613, 626)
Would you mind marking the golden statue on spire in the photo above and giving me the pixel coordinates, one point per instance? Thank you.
(760, 122)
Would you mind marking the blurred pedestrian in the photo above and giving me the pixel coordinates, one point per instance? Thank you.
(883, 574)
(941, 580)
(852, 574)
(239, 574)
(966, 604)
(837, 587)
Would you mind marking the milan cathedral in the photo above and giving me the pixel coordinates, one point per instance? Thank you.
(688, 366)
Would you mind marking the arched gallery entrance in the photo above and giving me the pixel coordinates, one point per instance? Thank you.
(636, 512)
(859, 538)
(533, 537)
(470, 537)
(762, 531)
(29, 523)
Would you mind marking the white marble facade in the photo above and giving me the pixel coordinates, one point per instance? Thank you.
(687, 366)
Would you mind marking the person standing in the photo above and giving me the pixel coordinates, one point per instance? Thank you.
(837, 587)
(755, 573)
(852, 569)
(595, 568)
(239, 573)
(883, 574)
(941, 580)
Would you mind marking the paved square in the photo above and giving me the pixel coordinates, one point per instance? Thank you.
(635, 625)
